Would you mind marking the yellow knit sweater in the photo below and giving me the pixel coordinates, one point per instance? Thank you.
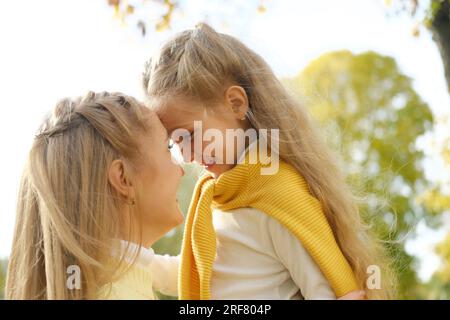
(284, 196)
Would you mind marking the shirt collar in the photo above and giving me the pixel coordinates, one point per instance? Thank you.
(128, 251)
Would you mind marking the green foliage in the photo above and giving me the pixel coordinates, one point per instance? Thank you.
(437, 200)
(3, 266)
(439, 285)
(375, 117)
(171, 243)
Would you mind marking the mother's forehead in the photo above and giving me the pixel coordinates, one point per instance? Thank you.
(150, 117)
(148, 114)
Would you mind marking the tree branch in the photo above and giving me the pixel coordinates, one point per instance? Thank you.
(440, 28)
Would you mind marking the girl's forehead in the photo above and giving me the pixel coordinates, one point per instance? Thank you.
(178, 104)
(179, 113)
(172, 122)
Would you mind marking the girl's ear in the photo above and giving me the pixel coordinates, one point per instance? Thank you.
(236, 99)
(119, 180)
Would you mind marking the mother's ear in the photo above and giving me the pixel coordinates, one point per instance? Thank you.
(120, 181)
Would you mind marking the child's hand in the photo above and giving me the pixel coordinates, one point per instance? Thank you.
(354, 295)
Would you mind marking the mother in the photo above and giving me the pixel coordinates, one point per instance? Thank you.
(99, 187)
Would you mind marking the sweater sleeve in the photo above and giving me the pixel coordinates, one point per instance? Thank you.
(302, 268)
(164, 269)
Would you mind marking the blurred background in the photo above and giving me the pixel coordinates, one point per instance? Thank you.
(374, 74)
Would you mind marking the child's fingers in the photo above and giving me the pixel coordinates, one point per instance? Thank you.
(354, 295)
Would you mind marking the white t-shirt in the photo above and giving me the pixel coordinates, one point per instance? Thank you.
(258, 258)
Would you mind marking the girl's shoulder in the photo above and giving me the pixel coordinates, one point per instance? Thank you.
(249, 214)
(245, 220)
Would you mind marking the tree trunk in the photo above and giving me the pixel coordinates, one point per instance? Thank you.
(440, 28)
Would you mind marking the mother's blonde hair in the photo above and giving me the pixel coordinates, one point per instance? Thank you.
(67, 212)
(200, 63)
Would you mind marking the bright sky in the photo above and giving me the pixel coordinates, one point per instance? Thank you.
(53, 49)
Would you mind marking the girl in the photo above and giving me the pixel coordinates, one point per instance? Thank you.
(290, 235)
(98, 189)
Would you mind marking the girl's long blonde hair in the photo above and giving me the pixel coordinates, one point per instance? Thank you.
(200, 63)
(67, 212)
